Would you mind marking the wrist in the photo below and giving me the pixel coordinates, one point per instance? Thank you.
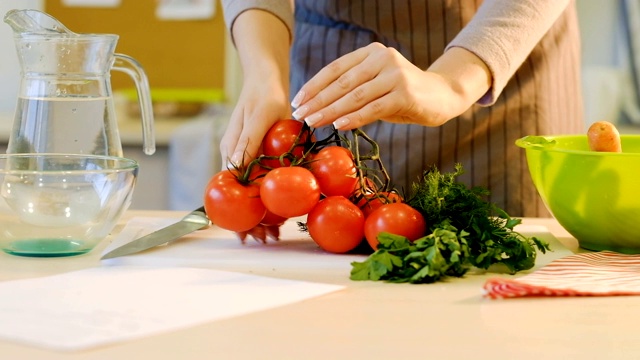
(467, 75)
(267, 86)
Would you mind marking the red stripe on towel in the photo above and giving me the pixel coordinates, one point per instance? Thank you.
(602, 273)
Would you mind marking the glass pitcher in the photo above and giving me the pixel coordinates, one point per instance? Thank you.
(65, 102)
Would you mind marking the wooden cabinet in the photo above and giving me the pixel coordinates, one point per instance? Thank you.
(175, 54)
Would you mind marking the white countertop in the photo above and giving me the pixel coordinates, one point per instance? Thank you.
(366, 320)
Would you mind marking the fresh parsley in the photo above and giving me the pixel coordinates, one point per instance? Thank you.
(465, 231)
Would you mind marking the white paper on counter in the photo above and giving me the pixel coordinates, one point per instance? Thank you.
(88, 308)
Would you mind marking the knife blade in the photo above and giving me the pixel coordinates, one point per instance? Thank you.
(195, 220)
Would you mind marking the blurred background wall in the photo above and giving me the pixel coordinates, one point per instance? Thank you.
(608, 89)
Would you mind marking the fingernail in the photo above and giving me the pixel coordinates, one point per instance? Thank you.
(297, 100)
(340, 123)
(236, 159)
(313, 119)
(300, 112)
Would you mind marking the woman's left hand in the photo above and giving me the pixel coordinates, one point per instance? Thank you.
(376, 82)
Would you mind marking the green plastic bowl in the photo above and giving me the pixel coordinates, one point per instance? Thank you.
(595, 196)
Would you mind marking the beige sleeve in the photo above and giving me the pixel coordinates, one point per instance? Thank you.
(282, 9)
(504, 32)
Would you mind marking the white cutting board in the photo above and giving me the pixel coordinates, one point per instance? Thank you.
(295, 256)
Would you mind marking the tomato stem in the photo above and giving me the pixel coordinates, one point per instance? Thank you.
(373, 155)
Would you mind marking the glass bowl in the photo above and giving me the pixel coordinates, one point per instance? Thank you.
(593, 195)
(61, 204)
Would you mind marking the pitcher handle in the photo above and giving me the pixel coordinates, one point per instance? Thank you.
(132, 67)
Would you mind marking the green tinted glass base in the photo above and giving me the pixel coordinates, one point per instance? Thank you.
(47, 248)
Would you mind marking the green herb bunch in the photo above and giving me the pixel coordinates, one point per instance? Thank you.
(465, 230)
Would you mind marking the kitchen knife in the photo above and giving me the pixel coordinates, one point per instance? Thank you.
(195, 220)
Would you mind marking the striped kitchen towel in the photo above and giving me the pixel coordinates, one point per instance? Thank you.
(603, 273)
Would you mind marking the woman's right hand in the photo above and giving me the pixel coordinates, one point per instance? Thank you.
(263, 42)
(260, 105)
(252, 117)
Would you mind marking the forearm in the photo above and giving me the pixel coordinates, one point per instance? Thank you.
(262, 31)
(263, 43)
(504, 32)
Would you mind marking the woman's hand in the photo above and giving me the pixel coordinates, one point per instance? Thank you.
(262, 41)
(376, 82)
(259, 106)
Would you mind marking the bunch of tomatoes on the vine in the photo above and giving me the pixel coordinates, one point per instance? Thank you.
(346, 195)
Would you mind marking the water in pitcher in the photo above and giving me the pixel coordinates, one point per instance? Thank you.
(65, 103)
(65, 125)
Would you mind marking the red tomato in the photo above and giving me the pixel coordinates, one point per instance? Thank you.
(232, 205)
(394, 218)
(371, 202)
(369, 186)
(289, 191)
(335, 170)
(279, 140)
(271, 219)
(336, 224)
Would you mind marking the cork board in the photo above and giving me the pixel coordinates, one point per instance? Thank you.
(174, 54)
